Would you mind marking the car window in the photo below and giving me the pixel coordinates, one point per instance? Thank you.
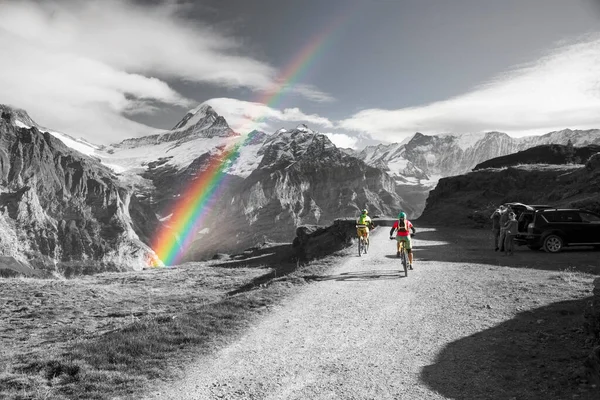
(587, 217)
(562, 216)
(552, 216)
(570, 216)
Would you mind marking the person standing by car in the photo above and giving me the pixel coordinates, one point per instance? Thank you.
(495, 217)
(511, 228)
(505, 211)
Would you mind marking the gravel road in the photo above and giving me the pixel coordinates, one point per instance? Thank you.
(368, 332)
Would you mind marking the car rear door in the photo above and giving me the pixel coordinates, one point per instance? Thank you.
(571, 224)
(591, 227)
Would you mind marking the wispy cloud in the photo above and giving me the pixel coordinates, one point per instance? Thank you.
(561, 90)
(244, 116)
(312, 93)
(81, 66)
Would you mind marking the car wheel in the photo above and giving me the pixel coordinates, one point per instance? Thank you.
(553, 243)
(534, 247)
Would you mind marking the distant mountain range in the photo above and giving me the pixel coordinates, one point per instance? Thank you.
(424, 159)
(278, 182)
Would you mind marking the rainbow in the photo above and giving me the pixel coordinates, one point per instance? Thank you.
(188, 213)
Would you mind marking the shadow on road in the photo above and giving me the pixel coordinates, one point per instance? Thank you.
(476, 246)
(359, 276)
(536, 355)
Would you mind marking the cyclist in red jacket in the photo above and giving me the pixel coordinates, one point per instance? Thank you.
(403, 227)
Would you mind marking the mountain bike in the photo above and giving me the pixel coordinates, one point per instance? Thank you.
(363, 242)
(403, 255)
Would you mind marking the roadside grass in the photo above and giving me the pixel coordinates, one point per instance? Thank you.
(149, 350)
(121, 362)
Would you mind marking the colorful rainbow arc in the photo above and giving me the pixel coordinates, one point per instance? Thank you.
(187, 214)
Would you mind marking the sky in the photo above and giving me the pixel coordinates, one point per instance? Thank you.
(377, 71)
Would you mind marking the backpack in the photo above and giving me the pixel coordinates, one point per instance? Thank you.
(402, 226)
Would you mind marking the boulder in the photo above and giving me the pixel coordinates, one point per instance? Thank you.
(593, 163)
(314, 241)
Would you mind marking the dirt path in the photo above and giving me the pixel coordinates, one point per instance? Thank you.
(367, 332)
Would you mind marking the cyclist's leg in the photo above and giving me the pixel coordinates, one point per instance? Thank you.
(360, 232)
(398, 245)
(408, 246)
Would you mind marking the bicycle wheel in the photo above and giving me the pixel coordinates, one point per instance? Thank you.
(405, 261)
(360, 245)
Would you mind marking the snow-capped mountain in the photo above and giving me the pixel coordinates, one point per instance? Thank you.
(278, 181)
(274, 183)
(424, 159)
(62, 211)
(20, 119)
(302, 178)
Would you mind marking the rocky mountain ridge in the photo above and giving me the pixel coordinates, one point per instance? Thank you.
(469, 199)
(63, 212)
(543, 154)
(423, 159)
(275, 182)
(303, 178)
(202, 122)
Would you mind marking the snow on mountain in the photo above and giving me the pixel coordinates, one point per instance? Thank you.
(22, 120)
(392, 159)
(303, 128)
(80, 145)
(193, 116)
(577, 137)
(201, 131)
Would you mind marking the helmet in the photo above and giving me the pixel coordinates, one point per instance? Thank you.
(365, 211)
(402, 215)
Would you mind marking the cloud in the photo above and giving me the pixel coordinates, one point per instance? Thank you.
(561, 90)
(312, 93)
(244, 116)
(342, 140)
(82, 67)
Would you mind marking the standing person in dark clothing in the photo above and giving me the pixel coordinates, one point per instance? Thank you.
(511, 228)
(495, 217)
(505, 211)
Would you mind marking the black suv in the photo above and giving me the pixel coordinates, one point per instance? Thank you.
(552, 229)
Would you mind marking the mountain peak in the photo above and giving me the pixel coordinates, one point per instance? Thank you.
(196, 115)
(202, 108)
(303, 128)
(17, 117)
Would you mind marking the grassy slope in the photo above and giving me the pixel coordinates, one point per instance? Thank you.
(113, 334)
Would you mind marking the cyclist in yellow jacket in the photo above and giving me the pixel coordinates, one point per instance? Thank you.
(365, 221)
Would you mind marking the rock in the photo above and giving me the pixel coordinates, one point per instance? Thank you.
(593, 163)
(316, 241)
(220, 256)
